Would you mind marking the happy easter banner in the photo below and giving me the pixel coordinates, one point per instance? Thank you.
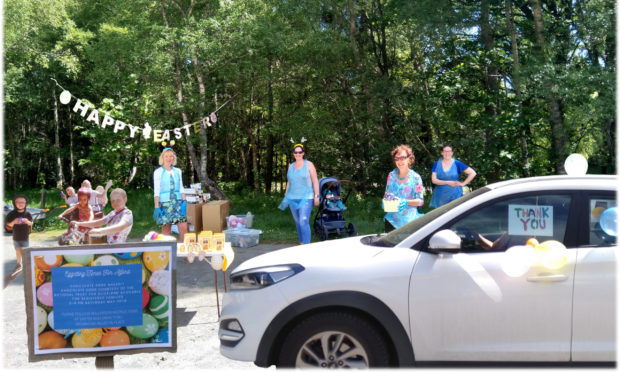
(114, 299)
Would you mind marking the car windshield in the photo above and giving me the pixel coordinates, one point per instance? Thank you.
(394, 237)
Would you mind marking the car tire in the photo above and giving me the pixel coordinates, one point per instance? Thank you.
(359, 343)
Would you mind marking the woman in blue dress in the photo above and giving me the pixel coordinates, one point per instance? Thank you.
(302, 192)
(405, 184)
(446, 174)
(170, 204)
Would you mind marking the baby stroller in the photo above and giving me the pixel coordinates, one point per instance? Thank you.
(328, 219)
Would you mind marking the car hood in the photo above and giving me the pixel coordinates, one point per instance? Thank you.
(324, 254)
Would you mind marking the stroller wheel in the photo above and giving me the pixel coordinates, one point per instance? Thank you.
(351, 229)
(323, 233)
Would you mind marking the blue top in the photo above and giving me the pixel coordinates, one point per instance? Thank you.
(299, 186)
(411, 189)
(444, 194)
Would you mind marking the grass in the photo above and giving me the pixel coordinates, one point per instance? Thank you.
(277, 226)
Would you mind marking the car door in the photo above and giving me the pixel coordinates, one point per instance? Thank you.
(594, 307)
(499, 304)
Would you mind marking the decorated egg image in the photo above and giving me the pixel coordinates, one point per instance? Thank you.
(72, 265)
(41, 319)
(128, 255)
(160, 282)
(148, 328)
(106, 260)
(51, 340)
(47, 261)
(114, 338)
(145, 274)
(39, 277)
(87, 337)
(161, 337)
(156, 260)
(145, 297)
(159, 308)
(50, 321)
(44, 294)
(82, 259)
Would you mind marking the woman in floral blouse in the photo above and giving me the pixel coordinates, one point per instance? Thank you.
(405, 184)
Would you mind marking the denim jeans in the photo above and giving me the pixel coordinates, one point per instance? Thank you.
(302, 219)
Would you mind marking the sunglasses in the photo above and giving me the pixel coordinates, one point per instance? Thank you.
(298, 152)
(401, 158)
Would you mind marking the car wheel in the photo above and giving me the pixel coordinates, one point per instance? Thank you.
(334, 340)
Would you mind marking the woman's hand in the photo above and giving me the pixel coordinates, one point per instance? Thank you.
(404, 203)
(316, 201)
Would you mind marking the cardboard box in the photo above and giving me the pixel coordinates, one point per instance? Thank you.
(214, 215)
(194, 215)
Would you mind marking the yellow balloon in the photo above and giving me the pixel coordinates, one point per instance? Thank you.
(552, 254)
(596, 212)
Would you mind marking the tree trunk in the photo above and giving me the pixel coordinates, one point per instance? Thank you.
(555, 109)
(516, 82)
(59, 175)
(270, 139)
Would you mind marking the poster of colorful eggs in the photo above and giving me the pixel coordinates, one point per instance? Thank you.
(96, 287)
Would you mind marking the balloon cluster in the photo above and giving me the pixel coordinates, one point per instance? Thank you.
(517, 260)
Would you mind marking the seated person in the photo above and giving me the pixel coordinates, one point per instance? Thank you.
(81, 211)
(118, 222)
(334, 202)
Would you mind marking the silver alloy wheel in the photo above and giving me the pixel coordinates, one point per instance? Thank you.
(332, 349)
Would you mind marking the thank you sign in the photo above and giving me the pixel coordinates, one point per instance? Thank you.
(530, 220)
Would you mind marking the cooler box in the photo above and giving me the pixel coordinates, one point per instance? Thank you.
(214, 215)
(243, 238)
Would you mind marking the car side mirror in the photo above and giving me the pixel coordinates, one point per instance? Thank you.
(445, 241)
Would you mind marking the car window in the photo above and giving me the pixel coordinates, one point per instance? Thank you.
(509, 222)
(599, 235)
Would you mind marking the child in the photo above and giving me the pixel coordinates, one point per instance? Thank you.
(20, 222)
(118, 222)
(82, 211)
(71, 197)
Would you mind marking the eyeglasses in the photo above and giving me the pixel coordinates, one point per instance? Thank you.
(401, 158)
(298, 152)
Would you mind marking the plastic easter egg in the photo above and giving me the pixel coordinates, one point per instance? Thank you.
(47, 261)
(39, 277)
(82, 259)
(159, 308)
(41, 319)
(128, 255)
(50, 321)
(87, 337)
(161, 337)
(51, 340)
(114, 338)
(160, 282)
(148, 328)
(552, 254)
(145, 297)
(106, 260)
(44, 294)
(156, 260)
(609, 221)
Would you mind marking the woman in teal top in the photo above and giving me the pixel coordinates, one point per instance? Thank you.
(446, 174)
(405, 184)
(170, 204)
(302, 193)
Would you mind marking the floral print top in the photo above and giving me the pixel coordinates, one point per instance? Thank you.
(411, 189)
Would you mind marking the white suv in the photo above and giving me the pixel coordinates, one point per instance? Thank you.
(432, 292)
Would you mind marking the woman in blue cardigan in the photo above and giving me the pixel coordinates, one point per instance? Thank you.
(170, 204)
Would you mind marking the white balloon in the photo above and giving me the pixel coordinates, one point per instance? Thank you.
(65, 97)
(575, 165)
(517, 260)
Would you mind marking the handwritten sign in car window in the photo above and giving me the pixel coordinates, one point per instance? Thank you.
(530, 220)
(97, 296)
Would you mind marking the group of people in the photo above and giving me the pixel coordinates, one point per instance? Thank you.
(302, 188)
